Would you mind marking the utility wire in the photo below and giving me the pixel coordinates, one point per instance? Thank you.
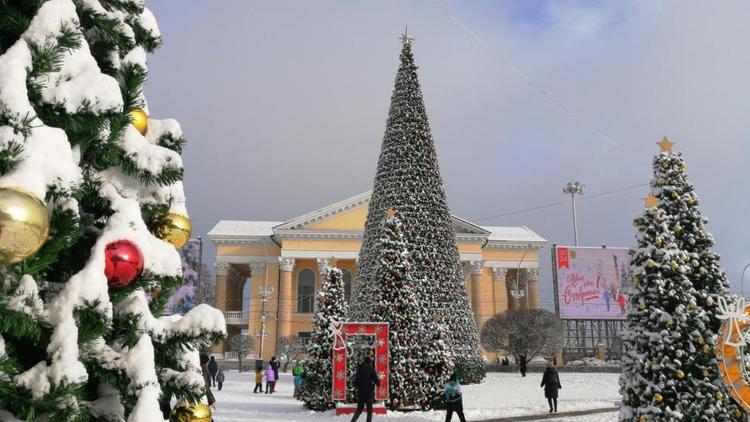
(554, 204)
(533, 84)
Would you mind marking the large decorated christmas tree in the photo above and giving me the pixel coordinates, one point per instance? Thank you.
(408, 180)
(92, 210)
(670, 366)
(417, 374)
(331, 307)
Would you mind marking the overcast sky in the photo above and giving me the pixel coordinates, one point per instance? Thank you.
(284, 107)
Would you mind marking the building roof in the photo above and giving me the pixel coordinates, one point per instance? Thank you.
(233, 230)
(513, 234)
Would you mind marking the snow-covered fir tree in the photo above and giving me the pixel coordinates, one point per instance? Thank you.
(408, 179)
(670, 367)
(417, 374)
(96, 187)
(331, 307)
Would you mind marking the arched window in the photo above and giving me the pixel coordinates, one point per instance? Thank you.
(347, 276)
(305, 291)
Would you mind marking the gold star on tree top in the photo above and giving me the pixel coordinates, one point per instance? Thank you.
(650, 201)
(665, 145)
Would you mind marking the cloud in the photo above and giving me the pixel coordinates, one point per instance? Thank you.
(284, 106)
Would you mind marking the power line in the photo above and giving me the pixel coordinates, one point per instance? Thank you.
(533, 84)
(554, 204)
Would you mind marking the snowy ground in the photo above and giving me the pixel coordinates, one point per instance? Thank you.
(501, 395)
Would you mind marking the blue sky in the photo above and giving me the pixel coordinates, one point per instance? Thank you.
(284, 106)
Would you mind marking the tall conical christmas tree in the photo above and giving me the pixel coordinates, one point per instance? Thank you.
(331, 307)
(91, 210)
(417, 374)
(408, 179)
(670, 367)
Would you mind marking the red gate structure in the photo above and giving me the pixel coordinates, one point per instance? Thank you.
(341, 331)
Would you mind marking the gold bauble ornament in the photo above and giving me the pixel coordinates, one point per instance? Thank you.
(139, 119)
(706, 349)
(701, 341)
(24, 225)
(642, 306)
(680, 374)
(185, 412)
(675, 266)
(719, 395)
(658, 397)
(693, 306)
(175, 229)
(709, 301)
(678, 229)
(670, 322)
(642, 419)
(674, 195)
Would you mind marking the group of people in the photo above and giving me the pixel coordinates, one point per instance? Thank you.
(366, 380)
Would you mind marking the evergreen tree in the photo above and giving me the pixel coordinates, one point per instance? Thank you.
(670, 367)
(80, 339)
(416, 374)
(331, 307)
(408, 179)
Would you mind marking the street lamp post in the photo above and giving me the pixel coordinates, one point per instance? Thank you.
(516, 292)
(572, 189)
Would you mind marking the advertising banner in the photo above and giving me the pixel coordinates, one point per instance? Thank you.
(184, 298)
(590, 282)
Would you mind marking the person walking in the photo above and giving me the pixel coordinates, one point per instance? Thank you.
(621, 301)
(551, 383)
(207, 379)
(454, 399)
(607, 297)
(213, 369)
(270, 379)
(220, 378)
(258, 381)
(522, 365)
(297, 371)
(275, 365)
(365, 380)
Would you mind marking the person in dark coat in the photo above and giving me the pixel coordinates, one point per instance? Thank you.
(366, 379)
(275, 365)
(220, 378)
(522, 365)
(551, 383)
(213, 369)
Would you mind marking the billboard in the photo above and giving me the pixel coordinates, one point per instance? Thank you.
(185, 297)
(590, 283)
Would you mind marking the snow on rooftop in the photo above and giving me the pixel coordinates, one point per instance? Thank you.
(243, 228)
(513, 234)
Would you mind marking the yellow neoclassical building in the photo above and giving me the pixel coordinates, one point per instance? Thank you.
(280, 264)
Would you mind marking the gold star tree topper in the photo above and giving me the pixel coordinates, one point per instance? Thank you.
(665, 145)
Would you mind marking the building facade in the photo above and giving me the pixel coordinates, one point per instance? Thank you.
(267, 272)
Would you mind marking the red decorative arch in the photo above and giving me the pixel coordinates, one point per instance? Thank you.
(341, 331)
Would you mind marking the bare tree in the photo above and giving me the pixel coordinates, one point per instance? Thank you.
(525, 333)
(289, 349)
(207, 287)
(240, 344)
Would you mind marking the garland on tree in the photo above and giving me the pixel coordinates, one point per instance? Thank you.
(417, 374)
(331, 307)
(670, 369)
(408, 179)
(80, 339)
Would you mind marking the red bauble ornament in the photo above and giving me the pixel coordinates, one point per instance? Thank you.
(123, 262)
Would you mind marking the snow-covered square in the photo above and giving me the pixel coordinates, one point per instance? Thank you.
(500, 395)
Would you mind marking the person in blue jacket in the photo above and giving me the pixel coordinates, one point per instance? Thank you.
(454, 399)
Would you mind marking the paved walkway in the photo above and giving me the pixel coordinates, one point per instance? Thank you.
(544, 416)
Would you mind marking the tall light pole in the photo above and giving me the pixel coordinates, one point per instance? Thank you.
(515, 291)
(572, 189)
